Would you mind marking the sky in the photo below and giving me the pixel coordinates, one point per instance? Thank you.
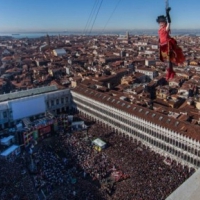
(72, 15)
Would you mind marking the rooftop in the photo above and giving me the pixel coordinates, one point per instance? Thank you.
(189, 190)
(25, 93)
(6, 139)
(185, 128)
(99, 142)
(9, 150)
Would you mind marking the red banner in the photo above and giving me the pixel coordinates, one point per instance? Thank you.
(45, 130)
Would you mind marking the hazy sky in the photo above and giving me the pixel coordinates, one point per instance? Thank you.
(63, 15)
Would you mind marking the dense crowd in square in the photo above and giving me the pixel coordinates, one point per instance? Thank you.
(69, 167)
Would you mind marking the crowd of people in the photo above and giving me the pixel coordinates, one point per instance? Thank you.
(58, 176)
(77, 184)
(15, 182)
(69, 167)
(147, 175)
(50, 169)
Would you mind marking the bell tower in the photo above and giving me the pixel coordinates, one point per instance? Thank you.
(48, 40)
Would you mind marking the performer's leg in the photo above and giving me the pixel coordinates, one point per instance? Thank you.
(170, 70)
(170, 66)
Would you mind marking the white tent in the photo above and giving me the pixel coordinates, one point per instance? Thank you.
(7, 140)
(100, 143)
(11, 151)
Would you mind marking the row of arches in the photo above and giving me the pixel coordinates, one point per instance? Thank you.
(152, 142)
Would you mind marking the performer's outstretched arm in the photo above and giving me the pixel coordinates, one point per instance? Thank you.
(168, 18)
(168, 27)
(168, 15)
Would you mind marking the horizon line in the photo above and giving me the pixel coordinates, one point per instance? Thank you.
(97, 30)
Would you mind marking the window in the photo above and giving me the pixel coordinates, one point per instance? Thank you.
(5, 114)
(47, 104)
(52, 102)
(57, 101)
(66, 99)
(62, 100)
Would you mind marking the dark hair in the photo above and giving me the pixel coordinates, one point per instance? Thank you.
(161, 18)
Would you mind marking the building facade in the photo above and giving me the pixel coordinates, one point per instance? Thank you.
(163, 140)
(55, 101)
(151, 73)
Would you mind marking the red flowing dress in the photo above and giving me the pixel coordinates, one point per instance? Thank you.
(168, 46)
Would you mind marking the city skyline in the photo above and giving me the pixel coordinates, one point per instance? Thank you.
(128, 100)
(37, 16)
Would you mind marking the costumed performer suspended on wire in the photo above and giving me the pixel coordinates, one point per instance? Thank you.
(169, 50)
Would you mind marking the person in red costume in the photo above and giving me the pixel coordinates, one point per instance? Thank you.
(169, 50)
